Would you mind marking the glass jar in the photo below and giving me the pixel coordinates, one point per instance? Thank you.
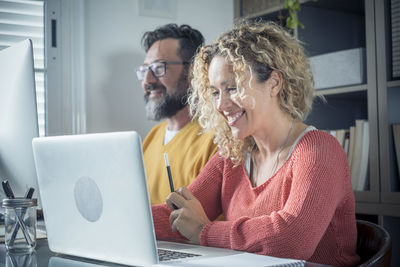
(20, 225)
(21, 260)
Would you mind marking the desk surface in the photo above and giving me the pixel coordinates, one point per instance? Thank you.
(43, 256)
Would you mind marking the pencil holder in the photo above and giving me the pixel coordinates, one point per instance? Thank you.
(20, 225)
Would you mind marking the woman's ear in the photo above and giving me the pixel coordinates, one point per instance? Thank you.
(275, 80)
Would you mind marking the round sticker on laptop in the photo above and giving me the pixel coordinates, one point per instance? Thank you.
(88, 199)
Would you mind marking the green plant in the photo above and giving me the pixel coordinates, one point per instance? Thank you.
(292, 21)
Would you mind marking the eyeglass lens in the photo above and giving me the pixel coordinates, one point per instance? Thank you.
(157, 69)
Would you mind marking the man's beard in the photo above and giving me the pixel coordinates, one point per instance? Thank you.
(169, 105)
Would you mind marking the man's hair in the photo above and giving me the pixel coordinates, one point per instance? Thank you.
(189, 39)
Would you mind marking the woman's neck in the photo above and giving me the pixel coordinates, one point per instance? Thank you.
(269, 154)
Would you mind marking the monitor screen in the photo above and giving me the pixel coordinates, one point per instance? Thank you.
(18, 118)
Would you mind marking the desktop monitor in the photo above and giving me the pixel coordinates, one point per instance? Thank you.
(18, 118)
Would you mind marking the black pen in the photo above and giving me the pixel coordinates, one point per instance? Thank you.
(7, 189)
(171, 183)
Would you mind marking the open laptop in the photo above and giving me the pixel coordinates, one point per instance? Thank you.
(96, 204)
(95, 199)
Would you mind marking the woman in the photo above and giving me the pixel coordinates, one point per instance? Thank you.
(283, 187)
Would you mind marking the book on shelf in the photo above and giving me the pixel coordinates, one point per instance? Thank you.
(339, 134)
(355, 143)
(359, 156)
(362, 179)
(396, 139)
(346, 142)
(352, 132)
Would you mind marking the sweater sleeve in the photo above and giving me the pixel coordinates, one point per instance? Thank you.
(162, 228)
(206, 188)
(319, 168)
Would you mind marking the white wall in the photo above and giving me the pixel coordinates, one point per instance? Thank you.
(114, 98)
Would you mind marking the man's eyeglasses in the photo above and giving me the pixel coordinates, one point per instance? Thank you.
(156, 68)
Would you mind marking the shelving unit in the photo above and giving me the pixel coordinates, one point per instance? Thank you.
(389, 111)
(335, 25)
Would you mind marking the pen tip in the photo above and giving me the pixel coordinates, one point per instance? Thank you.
(166, 159)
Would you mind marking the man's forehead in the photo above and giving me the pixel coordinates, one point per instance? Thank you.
(163, 50)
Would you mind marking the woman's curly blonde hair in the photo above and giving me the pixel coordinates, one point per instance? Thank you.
(257, 48)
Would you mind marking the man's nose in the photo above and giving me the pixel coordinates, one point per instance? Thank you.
(149, 77)
(148, 80)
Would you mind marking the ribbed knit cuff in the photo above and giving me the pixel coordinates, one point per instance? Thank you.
(216, 234)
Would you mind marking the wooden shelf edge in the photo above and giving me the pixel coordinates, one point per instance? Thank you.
(340, 90)
(392, 84)
(262, 12)
(390, 198)
(378, 209)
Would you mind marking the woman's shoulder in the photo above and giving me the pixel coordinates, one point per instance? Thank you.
(317, 136)
(317, 142)
(217, 165)
(220, 161)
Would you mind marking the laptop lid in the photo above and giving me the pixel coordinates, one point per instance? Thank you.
(94, 197)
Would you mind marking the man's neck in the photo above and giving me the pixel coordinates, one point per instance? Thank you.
(179, 120)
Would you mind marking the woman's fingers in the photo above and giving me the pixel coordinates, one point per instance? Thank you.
(185, 193)
(173, 220)
(190, 218)
(175, 201)
(178, 199)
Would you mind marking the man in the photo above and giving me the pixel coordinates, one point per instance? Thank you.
(165, 77)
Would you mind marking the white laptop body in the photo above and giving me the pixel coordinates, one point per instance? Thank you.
(95, 199)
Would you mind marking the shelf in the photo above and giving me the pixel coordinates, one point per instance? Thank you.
(256, 8)
(391, 197)
(378, 209)
(366, 196)
(354, 6)
(392, 84)
(340, 90)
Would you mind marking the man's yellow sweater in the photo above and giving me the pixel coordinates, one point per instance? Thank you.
(188, 152)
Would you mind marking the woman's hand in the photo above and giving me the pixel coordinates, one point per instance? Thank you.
(190, 218)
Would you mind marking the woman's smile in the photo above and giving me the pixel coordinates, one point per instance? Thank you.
(233, 118)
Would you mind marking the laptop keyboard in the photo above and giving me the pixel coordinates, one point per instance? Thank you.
(165, 255)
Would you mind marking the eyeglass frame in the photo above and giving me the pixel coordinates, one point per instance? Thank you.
(150, 67)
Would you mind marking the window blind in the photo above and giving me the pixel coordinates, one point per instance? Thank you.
(19, 20)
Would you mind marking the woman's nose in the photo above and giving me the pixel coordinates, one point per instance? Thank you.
(223, 102)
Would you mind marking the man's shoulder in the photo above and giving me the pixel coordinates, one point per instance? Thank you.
(157, 130)
(158, 127)
(193, 127)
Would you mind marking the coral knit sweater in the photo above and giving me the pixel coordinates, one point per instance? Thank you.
(304, 211)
